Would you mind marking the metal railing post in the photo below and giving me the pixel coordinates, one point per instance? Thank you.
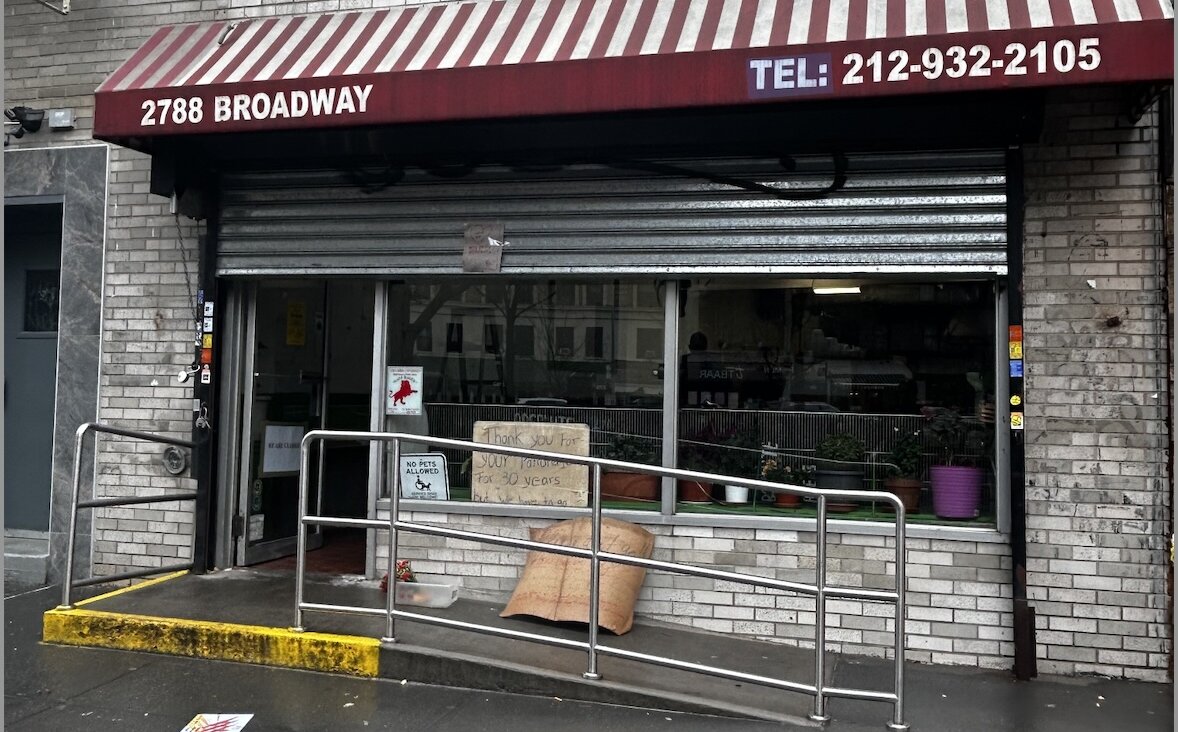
(68, 580)
(390, 635)
(594, 575)
(301, 536)
(819, 713)
(897, 722)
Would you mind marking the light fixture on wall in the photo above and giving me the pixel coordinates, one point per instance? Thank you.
(24, 119)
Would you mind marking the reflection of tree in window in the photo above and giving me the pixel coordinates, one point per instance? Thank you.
(41, 297)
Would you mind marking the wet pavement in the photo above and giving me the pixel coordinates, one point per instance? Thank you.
(67, 688)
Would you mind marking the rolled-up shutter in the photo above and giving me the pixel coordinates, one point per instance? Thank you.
(943, 212)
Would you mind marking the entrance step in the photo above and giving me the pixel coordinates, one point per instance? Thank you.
(26, 559)
(245, 615)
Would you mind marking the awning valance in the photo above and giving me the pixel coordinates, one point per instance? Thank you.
(507, 58)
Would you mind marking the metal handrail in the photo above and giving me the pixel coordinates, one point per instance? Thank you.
(819, 589)
(68, 583)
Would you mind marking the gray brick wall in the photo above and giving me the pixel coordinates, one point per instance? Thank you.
(1096, 390)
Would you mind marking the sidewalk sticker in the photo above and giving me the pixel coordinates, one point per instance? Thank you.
(1016, 420)
(423, 477)
(404, 390)
(218, 723)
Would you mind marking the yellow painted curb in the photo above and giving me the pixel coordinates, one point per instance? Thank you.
(354, 655)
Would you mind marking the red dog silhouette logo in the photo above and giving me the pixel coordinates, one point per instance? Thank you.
(404, 391)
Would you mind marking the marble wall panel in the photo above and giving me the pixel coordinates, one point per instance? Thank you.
(77, 177)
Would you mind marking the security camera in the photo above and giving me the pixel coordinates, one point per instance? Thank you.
(28, 118)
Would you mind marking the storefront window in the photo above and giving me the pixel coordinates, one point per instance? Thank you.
(840, 386)
(580, 353)
(837, 384)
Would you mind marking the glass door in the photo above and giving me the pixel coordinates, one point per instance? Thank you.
(285, 397)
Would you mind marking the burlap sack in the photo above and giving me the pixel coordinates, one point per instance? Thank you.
(556, 587)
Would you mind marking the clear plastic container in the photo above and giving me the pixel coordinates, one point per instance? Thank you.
(425, 594)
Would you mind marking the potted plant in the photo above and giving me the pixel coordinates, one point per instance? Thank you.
(840, 466)
(774, 469)
(955, 478)
(740, 458)
(624, 485)
(904, 471)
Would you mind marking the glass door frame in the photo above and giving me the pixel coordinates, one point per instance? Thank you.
(243, 553)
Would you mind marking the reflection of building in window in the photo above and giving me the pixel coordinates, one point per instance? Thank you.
(564, 341)
(594, 342)
(565, 294)
(524, 345)
(420, 293)
(492, 337)
(453, 337)
(594, 294)
(425, 339)
(649, 343)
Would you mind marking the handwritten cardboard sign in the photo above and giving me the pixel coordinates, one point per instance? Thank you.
(556, 587)
(530, 481)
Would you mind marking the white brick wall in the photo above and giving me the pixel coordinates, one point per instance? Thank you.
(1096, 393)
(1096, 390)
(959, 591)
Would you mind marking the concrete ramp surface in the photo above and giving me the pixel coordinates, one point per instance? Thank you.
(245, 615)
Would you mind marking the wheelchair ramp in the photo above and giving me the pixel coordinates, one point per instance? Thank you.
(245, 614)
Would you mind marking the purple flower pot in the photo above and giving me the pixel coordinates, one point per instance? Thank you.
(957, 491)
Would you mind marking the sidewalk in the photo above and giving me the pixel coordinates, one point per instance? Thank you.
(937, 698)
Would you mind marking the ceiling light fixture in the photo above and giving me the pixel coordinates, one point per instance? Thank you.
(852, 290)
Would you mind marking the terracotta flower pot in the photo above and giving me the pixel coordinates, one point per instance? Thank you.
(907, 490)
(691, 491)
(620, 486)
(786, 500)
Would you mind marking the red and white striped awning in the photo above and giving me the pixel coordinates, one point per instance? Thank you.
(506, 58)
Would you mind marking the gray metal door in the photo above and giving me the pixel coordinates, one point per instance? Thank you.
(32, 276)
(807, 215)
